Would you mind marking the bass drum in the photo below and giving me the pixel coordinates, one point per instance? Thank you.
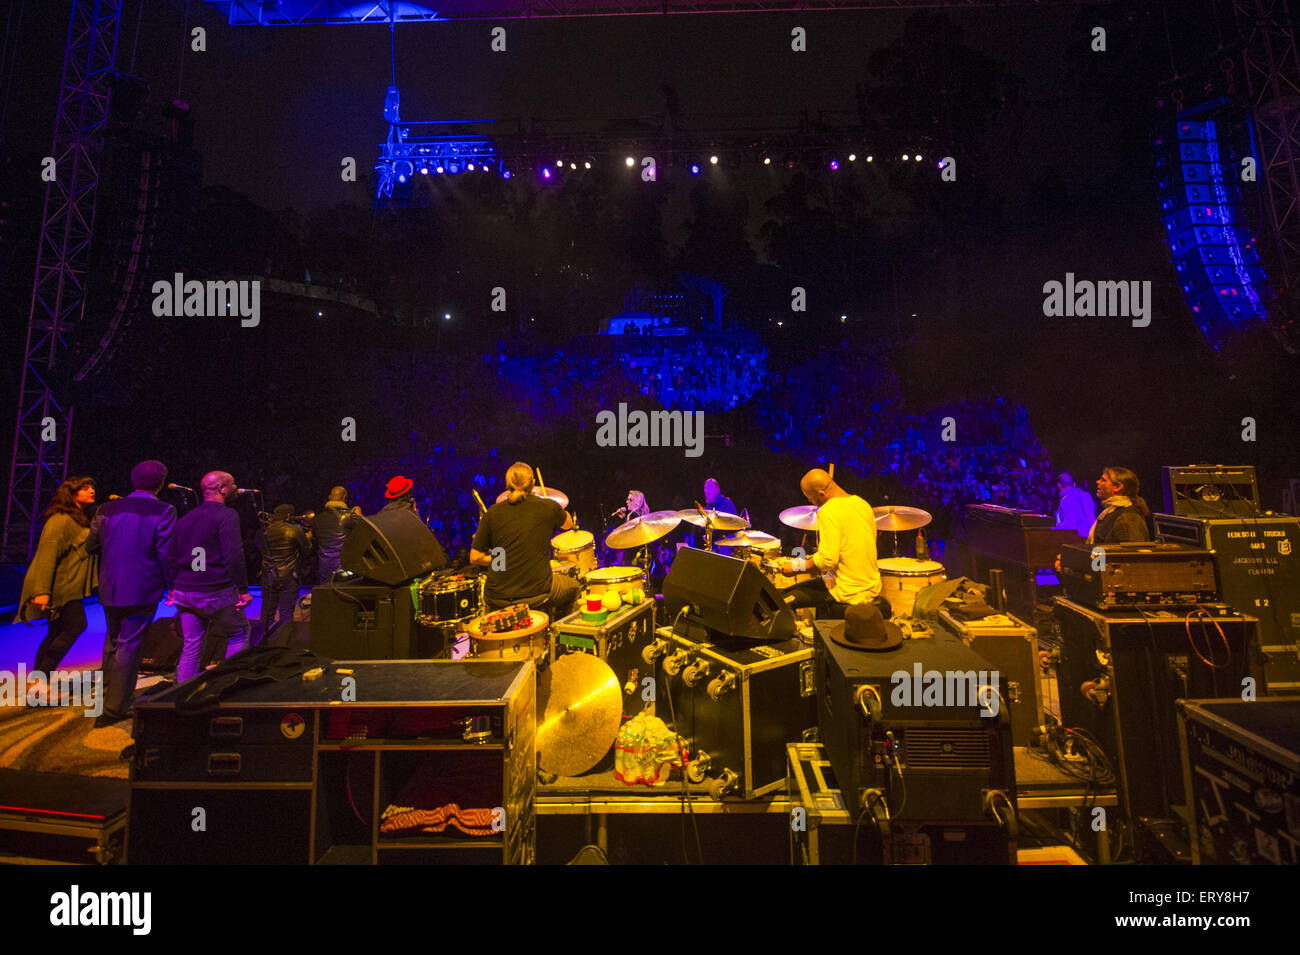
(901, 578)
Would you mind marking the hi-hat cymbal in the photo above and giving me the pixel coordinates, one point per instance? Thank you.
(900, 518)
(721, 520)
(755, 539)
(559, 497)
(640, 531)
(803, 517)
(579, 708)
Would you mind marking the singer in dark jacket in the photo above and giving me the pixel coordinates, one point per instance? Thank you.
(133, 537)
(285, 551)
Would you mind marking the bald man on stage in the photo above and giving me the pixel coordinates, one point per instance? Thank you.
(846, 550)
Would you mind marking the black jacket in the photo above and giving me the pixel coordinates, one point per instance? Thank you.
(331, 525)
(284, 548)
(1124, 524)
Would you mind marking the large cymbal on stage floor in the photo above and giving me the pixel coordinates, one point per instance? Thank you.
(755, 539)
(559, 497)
(900, 518)
(721, 520)
(803, 517)
(579, 707)
(640, 531)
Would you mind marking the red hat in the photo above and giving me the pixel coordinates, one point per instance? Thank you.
(398, 486)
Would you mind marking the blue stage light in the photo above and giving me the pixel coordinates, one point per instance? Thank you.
(695, 169)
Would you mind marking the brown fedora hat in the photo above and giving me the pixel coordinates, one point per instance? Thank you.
(865, 629)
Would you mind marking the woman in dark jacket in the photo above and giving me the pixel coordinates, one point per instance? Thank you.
(62, 573)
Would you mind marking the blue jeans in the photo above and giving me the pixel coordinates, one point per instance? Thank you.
(206, 617)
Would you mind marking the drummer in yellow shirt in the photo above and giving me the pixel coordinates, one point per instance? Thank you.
(846, 551)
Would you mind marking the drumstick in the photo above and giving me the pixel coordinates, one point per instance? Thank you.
(541, 483)
(480, 501)
(831, 469)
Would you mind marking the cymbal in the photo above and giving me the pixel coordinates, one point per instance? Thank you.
(755, 539)
(579, 707)
(900, 518)
(803, 517)
(640, 531)
(559, 497)
(721, 520)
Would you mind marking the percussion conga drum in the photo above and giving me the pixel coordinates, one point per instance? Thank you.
(622, 579)
(901, 578)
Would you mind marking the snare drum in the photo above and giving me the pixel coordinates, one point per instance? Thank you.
(448, 599)
(901, 578)
(622, 579)
(513, 645)
(577, 548)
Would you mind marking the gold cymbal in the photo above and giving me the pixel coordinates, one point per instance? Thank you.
(803, 517)
(559, 497)
(642, 530)
(756, 539)
(721, 520)
(579, 708)
(900, 518)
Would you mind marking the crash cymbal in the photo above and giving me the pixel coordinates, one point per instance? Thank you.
(642, 530)
(900, 518)
(579, 707)
(559, 497)
(803, 517)
(721, 520)
(755, 539)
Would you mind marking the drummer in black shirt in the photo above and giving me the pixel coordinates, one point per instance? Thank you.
(522, 526)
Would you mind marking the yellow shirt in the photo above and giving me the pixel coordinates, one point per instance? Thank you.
(846, 549)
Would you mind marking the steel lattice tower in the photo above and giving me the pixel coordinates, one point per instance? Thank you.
(59, 288)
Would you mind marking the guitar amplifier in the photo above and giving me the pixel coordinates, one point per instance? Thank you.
(1258, 560)
(1211, 490)
(928, 706)
(1138, 574)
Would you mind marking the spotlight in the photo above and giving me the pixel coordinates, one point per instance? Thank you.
(918, 157)
(424, 170)
(695, 169)
(546, 174)
(630, 161)
(469, 167)
(440, 170)
(904, 157)
(767, 160)
(404, 169)
(869, 158)
(713, 160)
(573, 165)
(835, 164)
(853, 157)
(506, 174)
(843, 319)
(453, 167)
(446, 316)
(586, 165)
(559, 163)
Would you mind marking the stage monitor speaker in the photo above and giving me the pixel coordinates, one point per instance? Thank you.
(727, 595)
(391, 548)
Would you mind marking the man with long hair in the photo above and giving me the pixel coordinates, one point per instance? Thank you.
(519, 531)
(62, 573)
(1123, 514)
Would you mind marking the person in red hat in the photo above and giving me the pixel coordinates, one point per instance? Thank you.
(398, 492)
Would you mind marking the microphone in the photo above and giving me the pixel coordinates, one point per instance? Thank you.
(250, 490)
(621, 512)
(179, 487)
